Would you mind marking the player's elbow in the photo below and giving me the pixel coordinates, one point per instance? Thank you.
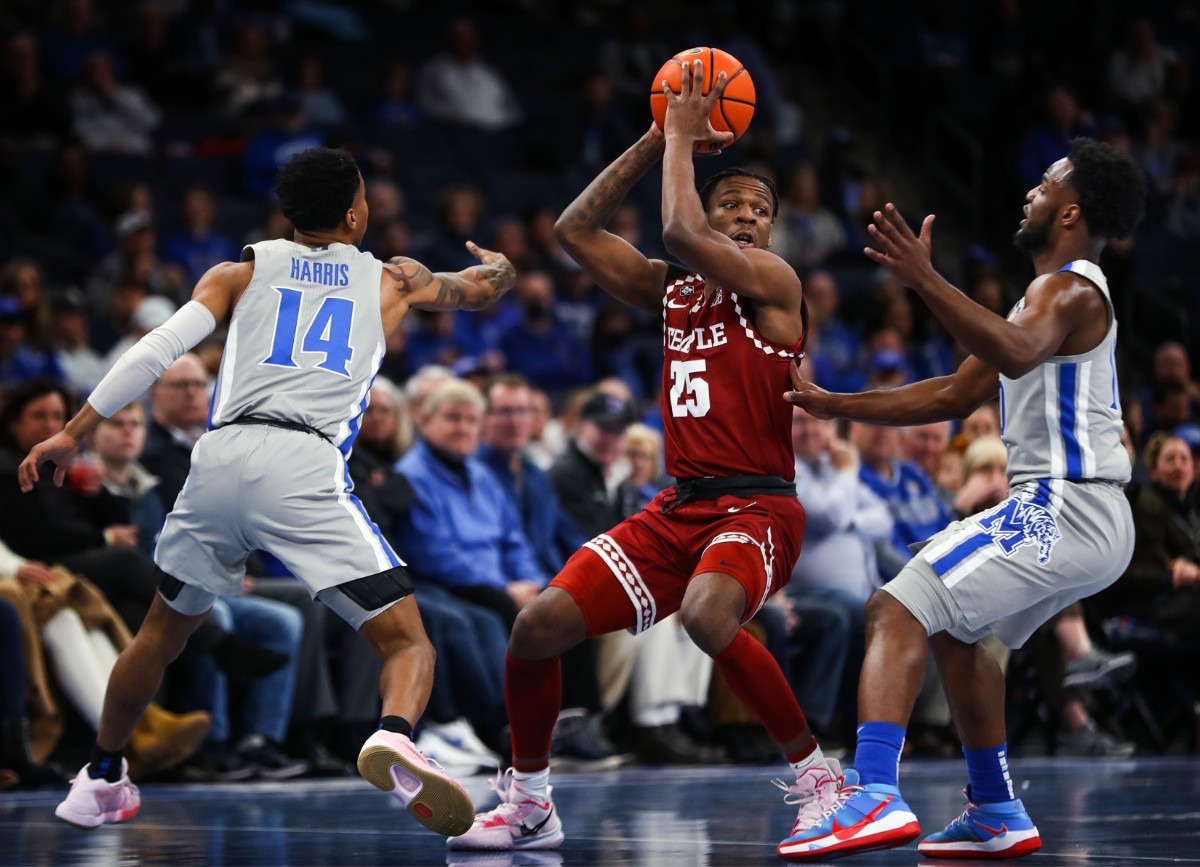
(678, 239)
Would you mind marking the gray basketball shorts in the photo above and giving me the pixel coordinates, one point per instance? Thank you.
(1009, 569)
(286, 492)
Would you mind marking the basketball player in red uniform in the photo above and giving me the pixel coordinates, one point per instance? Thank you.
(725, 538)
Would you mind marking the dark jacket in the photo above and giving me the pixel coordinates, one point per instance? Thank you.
(167, 458)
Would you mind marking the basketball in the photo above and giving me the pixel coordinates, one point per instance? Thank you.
(733, 110)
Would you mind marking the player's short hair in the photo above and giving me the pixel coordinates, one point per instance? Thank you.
(710, 185)
(316, 188)
(1111, 188)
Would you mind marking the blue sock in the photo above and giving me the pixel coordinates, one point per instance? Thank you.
(877, 758)
(988, 770)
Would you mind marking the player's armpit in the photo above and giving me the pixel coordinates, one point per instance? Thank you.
(222, 286)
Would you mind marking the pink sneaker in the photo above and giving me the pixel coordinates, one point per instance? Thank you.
(390, 762)
(92, 803)
(518, 822)
(814, 792)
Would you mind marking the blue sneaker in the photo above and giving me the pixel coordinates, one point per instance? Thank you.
(985, 831)
(862, 818)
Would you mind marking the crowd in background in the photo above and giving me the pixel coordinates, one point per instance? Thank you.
(138, 146)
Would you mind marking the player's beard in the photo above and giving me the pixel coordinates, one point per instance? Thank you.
(1032, 237)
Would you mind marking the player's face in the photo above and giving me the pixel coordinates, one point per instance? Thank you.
(1042, 205)
(740, 208)
(454, 428)
(121, 438)
(41, 419)
(509, 422)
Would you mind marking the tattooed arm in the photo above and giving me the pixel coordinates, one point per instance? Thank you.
(469, 289)
(615, 264)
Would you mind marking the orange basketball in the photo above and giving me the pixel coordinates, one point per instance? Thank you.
(733, 110)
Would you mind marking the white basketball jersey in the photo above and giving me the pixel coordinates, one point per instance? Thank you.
(1062, 420)
(305, 340)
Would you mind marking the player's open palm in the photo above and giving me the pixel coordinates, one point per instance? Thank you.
(60, 450)
(900, 251)
(813, 399)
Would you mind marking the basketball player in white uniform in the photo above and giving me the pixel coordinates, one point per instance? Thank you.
(308, 323)
(1065, 531)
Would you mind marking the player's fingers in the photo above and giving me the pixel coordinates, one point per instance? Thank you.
(718, 86)
(27, 474)
(893, 217)
(875, 256)
(927, 230)
(795, 375)
(886, 244)
(60, 474)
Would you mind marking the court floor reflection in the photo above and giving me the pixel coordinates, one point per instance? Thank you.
(1139, 811)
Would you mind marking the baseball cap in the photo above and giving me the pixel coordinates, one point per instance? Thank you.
(1189, 432)
(153, 312)
(887, 359)
(133, 221)
(608, 411)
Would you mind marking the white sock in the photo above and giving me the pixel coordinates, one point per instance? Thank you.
(533, 785)
(814, 759)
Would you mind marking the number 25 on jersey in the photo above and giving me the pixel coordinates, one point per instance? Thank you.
(689, 392)
(327, 334)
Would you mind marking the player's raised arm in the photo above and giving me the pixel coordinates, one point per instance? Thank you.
(937, 399)
(469, 289)
(618, 267)
(212, 300)
(725, 235)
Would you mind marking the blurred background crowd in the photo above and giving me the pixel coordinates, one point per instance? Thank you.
(138, 147)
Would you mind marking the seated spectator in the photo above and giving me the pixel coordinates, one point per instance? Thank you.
(463, 532)
(248, 76)
(134, 261)
(83, 367)
(458, 87)
(395, 105)
(179, 408)
(285, 132)
(321, 102)
(541, 347)
(199, 246)
(111, 116)
(117, 443)
(985, 477)
(917, 509)
(20, 359)
(18, 768)
(810, 232)
(33, 110)
(1140, 70)
(926, 446)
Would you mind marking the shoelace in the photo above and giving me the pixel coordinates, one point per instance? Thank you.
(804, 794)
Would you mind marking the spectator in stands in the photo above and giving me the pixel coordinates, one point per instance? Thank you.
(199, 245)
(22, 279)
(985, 479)
(631, 57)
(459, 87)
(917, 508)
(1158, 149)
(69, 214)
(20, 359)
(1050, 140)
(1141, 71)
(109, 115)
(321, 102)
(806, 233)
(462, 531)
(117, 443)
(134, 261)
(1182, 216)
(33, 111)
(248, 76)
(76, 31)
(460, 217)
(926, 446)
(595, 132)
(834, 346)
(18, 768)
(82, 365)
(285, 132)
(179, 405)
(150, 313)
(541, 347)
(395, 106)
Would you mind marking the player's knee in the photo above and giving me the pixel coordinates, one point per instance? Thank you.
(710, 630)
(885, 612)
(544, 629)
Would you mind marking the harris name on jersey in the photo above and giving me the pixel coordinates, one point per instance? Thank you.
(325, 273)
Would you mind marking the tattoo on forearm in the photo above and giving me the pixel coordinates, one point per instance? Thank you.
(596, 204)
(478, 287)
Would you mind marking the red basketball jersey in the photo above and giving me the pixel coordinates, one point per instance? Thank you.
(722, 388)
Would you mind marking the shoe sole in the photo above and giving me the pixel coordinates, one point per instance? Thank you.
(890, 839)
(1112, 674)
(122, 816)
(956, 850)
(437, 802)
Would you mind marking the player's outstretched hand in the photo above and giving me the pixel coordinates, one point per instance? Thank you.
(487, 257)
(688, 111)
(900, 251)
(816, 401)
(59, 449)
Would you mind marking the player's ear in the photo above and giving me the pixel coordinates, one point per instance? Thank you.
(1071, 214)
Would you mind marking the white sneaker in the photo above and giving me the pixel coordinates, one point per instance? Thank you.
(92, 803)
(814, 792)
(389, 761)
(461, 734)
(518, 822)
(455, 759)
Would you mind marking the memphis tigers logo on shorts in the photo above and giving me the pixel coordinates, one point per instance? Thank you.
(1017, 523)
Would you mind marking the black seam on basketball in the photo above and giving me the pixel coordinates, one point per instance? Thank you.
(738, 101)
(725, 117)
(711, 73)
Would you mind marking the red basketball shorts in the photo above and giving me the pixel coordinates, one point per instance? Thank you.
(636, 574)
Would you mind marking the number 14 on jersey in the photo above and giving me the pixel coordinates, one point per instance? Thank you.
(327, 334)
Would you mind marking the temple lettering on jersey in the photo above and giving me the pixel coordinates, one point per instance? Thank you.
(325, 273)
(705, 338)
